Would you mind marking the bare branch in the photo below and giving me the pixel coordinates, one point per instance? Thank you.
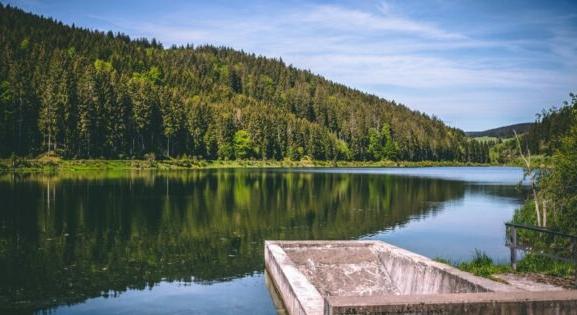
(528, 172)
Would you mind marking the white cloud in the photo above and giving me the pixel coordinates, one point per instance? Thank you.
(427, 72)
(347, 19)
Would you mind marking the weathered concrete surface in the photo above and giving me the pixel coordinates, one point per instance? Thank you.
(299, 296)
(526, 284)
(274, 295)
(361, 277)
(355, 271)
(416, 274)
(512, 303)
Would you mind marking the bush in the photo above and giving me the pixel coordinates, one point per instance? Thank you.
(482, 265)
(545, 265)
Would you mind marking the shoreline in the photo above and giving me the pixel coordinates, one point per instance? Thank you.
(54, 165)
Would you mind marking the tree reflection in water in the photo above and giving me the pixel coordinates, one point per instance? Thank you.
(68, 237)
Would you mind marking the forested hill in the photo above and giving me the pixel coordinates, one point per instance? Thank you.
(502, 132)
(545, 136)
(88, 94)
(551, 127)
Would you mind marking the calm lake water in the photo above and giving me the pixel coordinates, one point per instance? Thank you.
(192, 242)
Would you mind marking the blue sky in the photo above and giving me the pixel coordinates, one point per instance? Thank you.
(474, 64)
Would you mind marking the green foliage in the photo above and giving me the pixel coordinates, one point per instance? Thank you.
(545, 265)
(486, 139)
(243, 146)
(154, 75)
(25, 43)
(381, 144)
(560, 183)
(343, 152)
(390, 148)
(235, 81)
(525, 214)
(102, 66)
(556, 188)
(544, 138)
(88, 94)
(375, 148)
(482, 265)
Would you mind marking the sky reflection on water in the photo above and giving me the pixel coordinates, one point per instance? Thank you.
(192, 242)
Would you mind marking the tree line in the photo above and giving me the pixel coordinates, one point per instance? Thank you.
(89, 94)
(543, 138)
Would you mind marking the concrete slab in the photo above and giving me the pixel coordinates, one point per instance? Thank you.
(361, 277)
(512, 303)
(526, 283)
(334, 271)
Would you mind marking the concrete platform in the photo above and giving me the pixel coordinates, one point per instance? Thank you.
(527, 284)
(371, 277)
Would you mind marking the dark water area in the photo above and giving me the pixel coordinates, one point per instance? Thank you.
(192, 242)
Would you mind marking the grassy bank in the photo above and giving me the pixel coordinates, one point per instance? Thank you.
(483, 266)
(54, 164)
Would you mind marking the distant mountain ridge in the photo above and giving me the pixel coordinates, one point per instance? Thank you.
(502, 132)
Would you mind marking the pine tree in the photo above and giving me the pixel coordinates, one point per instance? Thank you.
(55, 99)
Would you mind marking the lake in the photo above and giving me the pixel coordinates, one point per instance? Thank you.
(191, 242)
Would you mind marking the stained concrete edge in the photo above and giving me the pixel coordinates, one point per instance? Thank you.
(548, 302)
(377, 246)
(487, 284)
(299, 296)
(448, 298)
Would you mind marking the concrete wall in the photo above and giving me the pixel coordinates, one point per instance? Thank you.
(299, 296)
(416, 274)
(424, 286)
(514, 303)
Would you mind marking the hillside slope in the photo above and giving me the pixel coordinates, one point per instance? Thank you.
(88, 94)
(544, 137)
(502, 132)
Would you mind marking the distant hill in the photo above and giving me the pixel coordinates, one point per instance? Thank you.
(502, 132)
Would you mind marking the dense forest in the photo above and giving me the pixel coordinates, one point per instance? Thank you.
(79, 93)
(546, 135)
(502, 132)
(543, 138)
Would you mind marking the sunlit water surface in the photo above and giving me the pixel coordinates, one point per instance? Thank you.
(192, 242)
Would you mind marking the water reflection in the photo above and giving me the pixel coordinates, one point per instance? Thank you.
(67, 238)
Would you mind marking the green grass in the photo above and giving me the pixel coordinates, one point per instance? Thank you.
(541, 160)
(56, 164)
(483, 266)
(547, 266)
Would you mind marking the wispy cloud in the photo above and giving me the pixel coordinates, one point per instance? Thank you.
(336, 17)
(420, 72)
